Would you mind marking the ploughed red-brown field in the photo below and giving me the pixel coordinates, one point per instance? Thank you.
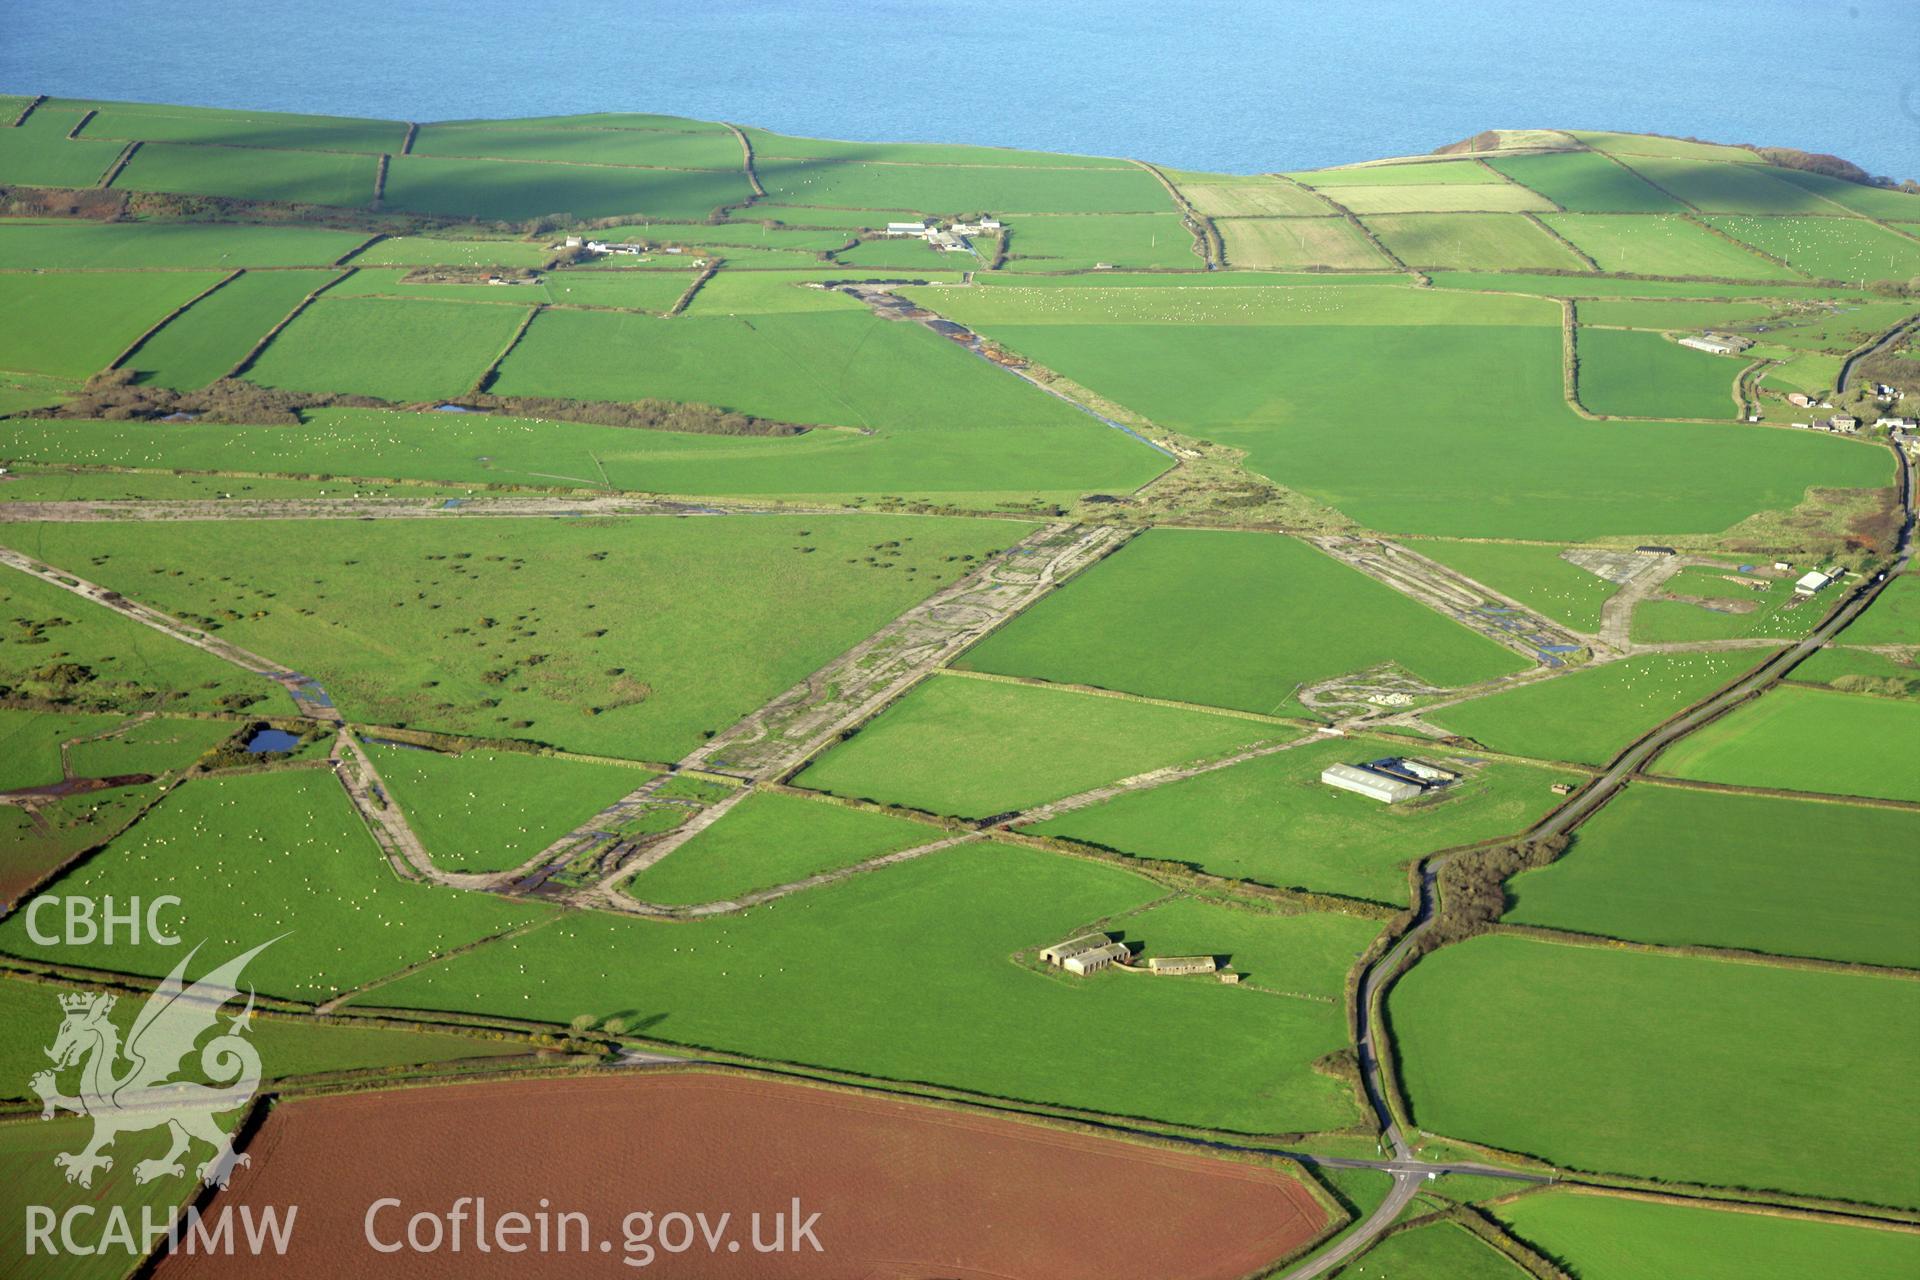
(901, 1190)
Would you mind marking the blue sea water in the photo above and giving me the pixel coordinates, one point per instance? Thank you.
(1226, 85)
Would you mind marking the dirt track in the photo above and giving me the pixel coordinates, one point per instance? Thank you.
(903, 1190)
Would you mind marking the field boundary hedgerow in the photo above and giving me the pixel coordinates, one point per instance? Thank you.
(120, 162)
(1200, 226)
(26, 110)
(168, 318)
(694, 286)
(1259, 717)
(488, 374)
(1728, 955)
(746, 149)
(1873, 1218)
(1571, 247)
(254, 352)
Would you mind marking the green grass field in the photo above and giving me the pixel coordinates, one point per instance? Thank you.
(1660, 864)
(39, 154)
(46, 246)
(396, 350)
(1536, 576)
(429, 251)
(29, 1177)
(1873, 202)
(301, 177)
(1589, 716)
(846, 367)
(1230, 619)
(33, 847)
(30, 744)
(1430, 173)
(1076, 241)
(1471, 241)
(155, 746)
(1728, 188)
(288, 1046)
(1291, 952)
(259, 856)
(513, 189)
(159, 122)
(124, 665)
(772, 839)
(1801, 739)
(493, 810)
(1632, 374)
(1273, 821)
(1653, 144)
(1617, 1238)
(975, 748)
(1225, 196)
(73, 324)
(960, 464)
(653, 291)
(957, 189)
(1592, 286)
(1585, 182)
(1860, 671)
(1281, 372)
(816, 979)
(1661, 245)
(1674, 315)
(1772, 608)
(1892, 619)
(1665, 1066)
(523, 140)
(782, 146)
(1850, 249)
(1291, 243)
(1486, 197)
(206, 340)
(628, 637)
(1435, 1251)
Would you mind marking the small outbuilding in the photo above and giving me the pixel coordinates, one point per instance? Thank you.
(1181, 964)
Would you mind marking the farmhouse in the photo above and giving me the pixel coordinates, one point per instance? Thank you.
(1181, 964)
(1844, 425)
(1088, 953)
(1375, 786)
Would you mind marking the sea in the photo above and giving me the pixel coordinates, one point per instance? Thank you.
(1239, 86)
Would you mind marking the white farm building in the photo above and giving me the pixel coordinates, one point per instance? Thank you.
(1366, 782)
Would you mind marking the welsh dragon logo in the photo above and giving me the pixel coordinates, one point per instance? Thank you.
(145, 1093)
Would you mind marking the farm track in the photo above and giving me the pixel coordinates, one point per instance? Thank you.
(1472, 604)
(778, 738)
(308, 697)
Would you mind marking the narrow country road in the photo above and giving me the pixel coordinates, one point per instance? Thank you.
(1409, 1172)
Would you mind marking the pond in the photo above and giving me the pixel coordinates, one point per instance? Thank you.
(272, 740)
